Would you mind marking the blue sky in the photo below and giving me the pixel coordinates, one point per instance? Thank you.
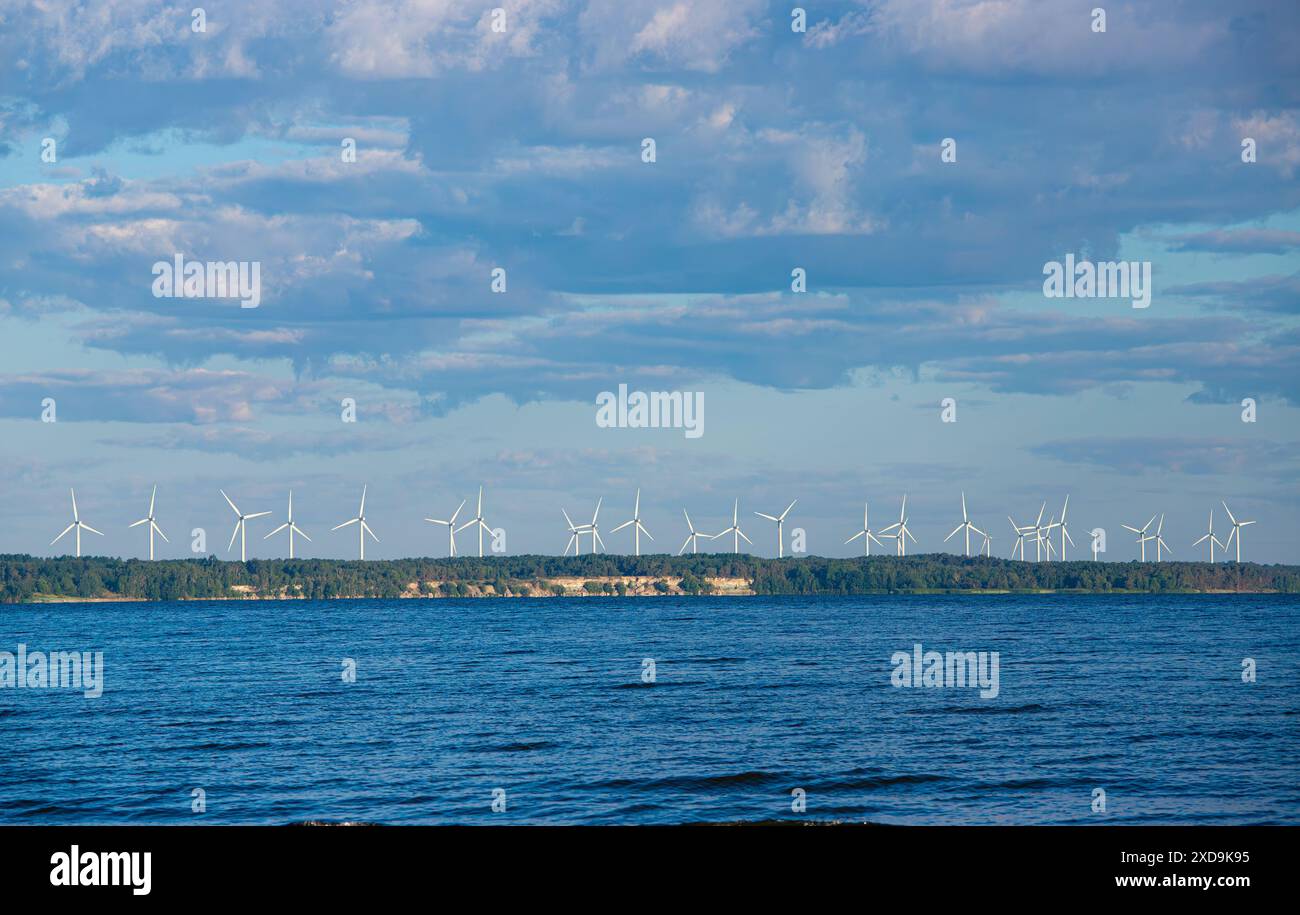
(522, 149)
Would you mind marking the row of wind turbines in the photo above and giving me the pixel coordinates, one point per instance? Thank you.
(1042, 536)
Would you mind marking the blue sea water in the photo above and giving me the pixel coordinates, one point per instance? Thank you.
(1141, 696)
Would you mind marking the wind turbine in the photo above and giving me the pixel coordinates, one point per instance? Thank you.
(153, 525)
(638, 528)
(1043, 533)
(903, 532)
(241, 527)
(966, 525)
(360, 521)
(1065, 533)
(77, 524)
(1021, 531)
(1236, 530)
(734, 530)
(780, 525)
(477, 521)
(575, 536)
(1209, 535)
(867, 534)
(1160, 541)
(451, 527)
(1142, 535)
(988, 545)
(693, 539)
(288, 525)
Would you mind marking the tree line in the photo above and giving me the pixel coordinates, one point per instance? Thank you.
(26, 578)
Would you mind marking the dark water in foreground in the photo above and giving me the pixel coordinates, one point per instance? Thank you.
(1141, 696)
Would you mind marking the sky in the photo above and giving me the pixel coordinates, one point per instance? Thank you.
(516, 140)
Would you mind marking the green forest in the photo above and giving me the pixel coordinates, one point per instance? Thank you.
(29, 578)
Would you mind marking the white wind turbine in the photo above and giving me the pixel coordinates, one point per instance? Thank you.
(477, 521)
(638, 528)
(575, 535)
(290, 526)
(153, 525)
(1044, 535)
(1065, 533)
(1142, 535)
(965, 525)
(241, 527)
(1236, 530)
(867, 534)
(77, 525)
(1209, 535)
(734, 530)
(903, 533)
(988, 545)
(780, 525)
(1021, 532)
(360, 521)
(1160, 541)
(451, 527)
(693, 539)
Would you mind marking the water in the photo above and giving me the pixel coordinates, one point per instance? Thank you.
(1141, 696)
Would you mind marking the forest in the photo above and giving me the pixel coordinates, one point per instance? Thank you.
(29, 578)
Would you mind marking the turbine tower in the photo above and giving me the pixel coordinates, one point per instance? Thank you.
(575, 535)
(1209, 535)
(1236, 530)
(1065, 531)
(693, 539)
(1160, 541)
(241, 527)
(477, 521)
(290, 526)
(867, 534)
(77, 525)
(965, 525)
(451, 527)
(360, 521)
(153, 525)
(1021, 532)
(1142, 535)
(780, 525)
(638, 528)
(734, 530)
(903, 532)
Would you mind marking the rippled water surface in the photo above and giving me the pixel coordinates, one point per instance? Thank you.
(754, 697)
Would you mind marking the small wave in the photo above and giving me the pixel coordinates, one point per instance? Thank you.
(989, 709)
(520, 747)
(881, 781)
(695, 781)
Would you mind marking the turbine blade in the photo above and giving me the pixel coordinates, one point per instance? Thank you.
(768, 517)
(233, 535)
(1229, 511)
(154, 525)
(137, 523)
(690, 527)
(1204, 537)
(228, 502)
(256, 515)
(645, 531)
(954, 530)
(301, 532)
(65, 530)
(744, 538)
(620, 527)
(152, 496)
(685, 544)
(345, 524)
(855, 536)
(362, 512)
(276, 531)
(787, 509)
(91, 529)
(75, 516)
